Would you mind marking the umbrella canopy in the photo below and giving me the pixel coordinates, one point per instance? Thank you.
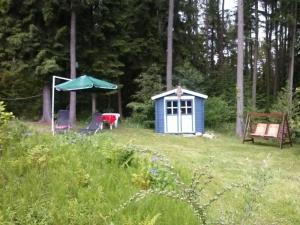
(85, 82)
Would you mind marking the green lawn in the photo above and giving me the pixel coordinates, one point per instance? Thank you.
(67, 179)
(233, 161)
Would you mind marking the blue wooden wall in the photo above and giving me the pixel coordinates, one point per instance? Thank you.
(199, 114)
(159, 116)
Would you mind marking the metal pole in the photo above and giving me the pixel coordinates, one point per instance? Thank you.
(53, 93)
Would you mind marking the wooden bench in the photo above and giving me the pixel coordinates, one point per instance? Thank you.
(279, 131)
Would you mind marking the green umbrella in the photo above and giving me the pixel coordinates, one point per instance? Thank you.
(85, 82)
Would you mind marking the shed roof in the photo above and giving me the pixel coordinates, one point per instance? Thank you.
(174, 91)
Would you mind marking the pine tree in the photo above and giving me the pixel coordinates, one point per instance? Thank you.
(240, 65)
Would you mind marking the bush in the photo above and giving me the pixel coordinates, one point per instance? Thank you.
(217, 111)
(282, 105)
(4, 116)
(149, 83)
(189, 77)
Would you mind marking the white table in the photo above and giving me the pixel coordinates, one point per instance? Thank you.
(117, 115)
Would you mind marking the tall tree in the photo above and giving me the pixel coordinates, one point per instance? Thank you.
(73, 63)
(170, 45)
(254, 75)
(292, 55)
(240, 75)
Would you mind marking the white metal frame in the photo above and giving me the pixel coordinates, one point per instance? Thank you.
(53, 95)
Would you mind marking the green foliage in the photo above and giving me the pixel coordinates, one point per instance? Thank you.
(155, 171)
(4, 116)
(217, 112)
(293, 110)
(148, 220)
(189, 77)
(119, 155)
(149, 84)
(38, 156)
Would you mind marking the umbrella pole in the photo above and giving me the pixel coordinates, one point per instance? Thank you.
(94, 106)
(52, 105)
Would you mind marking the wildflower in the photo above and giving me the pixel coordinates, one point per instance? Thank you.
(154, 158)
(153, 171)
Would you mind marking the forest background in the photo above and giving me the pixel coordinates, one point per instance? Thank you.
(125, 42)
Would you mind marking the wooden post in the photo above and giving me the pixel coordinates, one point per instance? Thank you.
(282, 131)
(288, 130)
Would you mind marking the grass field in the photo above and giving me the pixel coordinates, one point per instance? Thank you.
(66, 179)
(233, 161)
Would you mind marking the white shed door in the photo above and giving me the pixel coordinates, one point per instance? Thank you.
(172, 116)
(186, 109)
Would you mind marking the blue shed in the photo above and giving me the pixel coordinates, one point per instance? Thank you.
(179, 111)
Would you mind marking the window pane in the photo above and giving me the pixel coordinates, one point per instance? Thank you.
(169, 111)
(174, 103)
(183, 103)
(168, 104)
(183, 110)
(189, 110)
(189, 103)
(175, 111)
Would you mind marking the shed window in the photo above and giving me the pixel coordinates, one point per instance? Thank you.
(172, 107)
(186, 107)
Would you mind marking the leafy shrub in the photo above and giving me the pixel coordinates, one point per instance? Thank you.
(149, 83)
(83, 178)
(4, 116)
(10, 135)
(119, 155)
(142, 178)
(38, 156)
(153, 173)
(217, 112)
(282, 105)
(188, 76)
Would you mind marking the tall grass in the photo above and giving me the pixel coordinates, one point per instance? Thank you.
(74, 179)
(69, 179)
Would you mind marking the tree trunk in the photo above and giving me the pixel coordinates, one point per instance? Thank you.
(292, 59)
(73, 66)
(246, 56)
(276, 67)
(170, 45)
(120, 103)
(220, 27)
(94, 104)
(206, 29)
(254, 75)
(46, 117)
(268, 55)
(281, 55)
(240, 76)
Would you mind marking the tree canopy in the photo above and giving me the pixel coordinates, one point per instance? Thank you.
(120, 40)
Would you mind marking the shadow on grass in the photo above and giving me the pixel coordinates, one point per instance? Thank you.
(295, 149)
